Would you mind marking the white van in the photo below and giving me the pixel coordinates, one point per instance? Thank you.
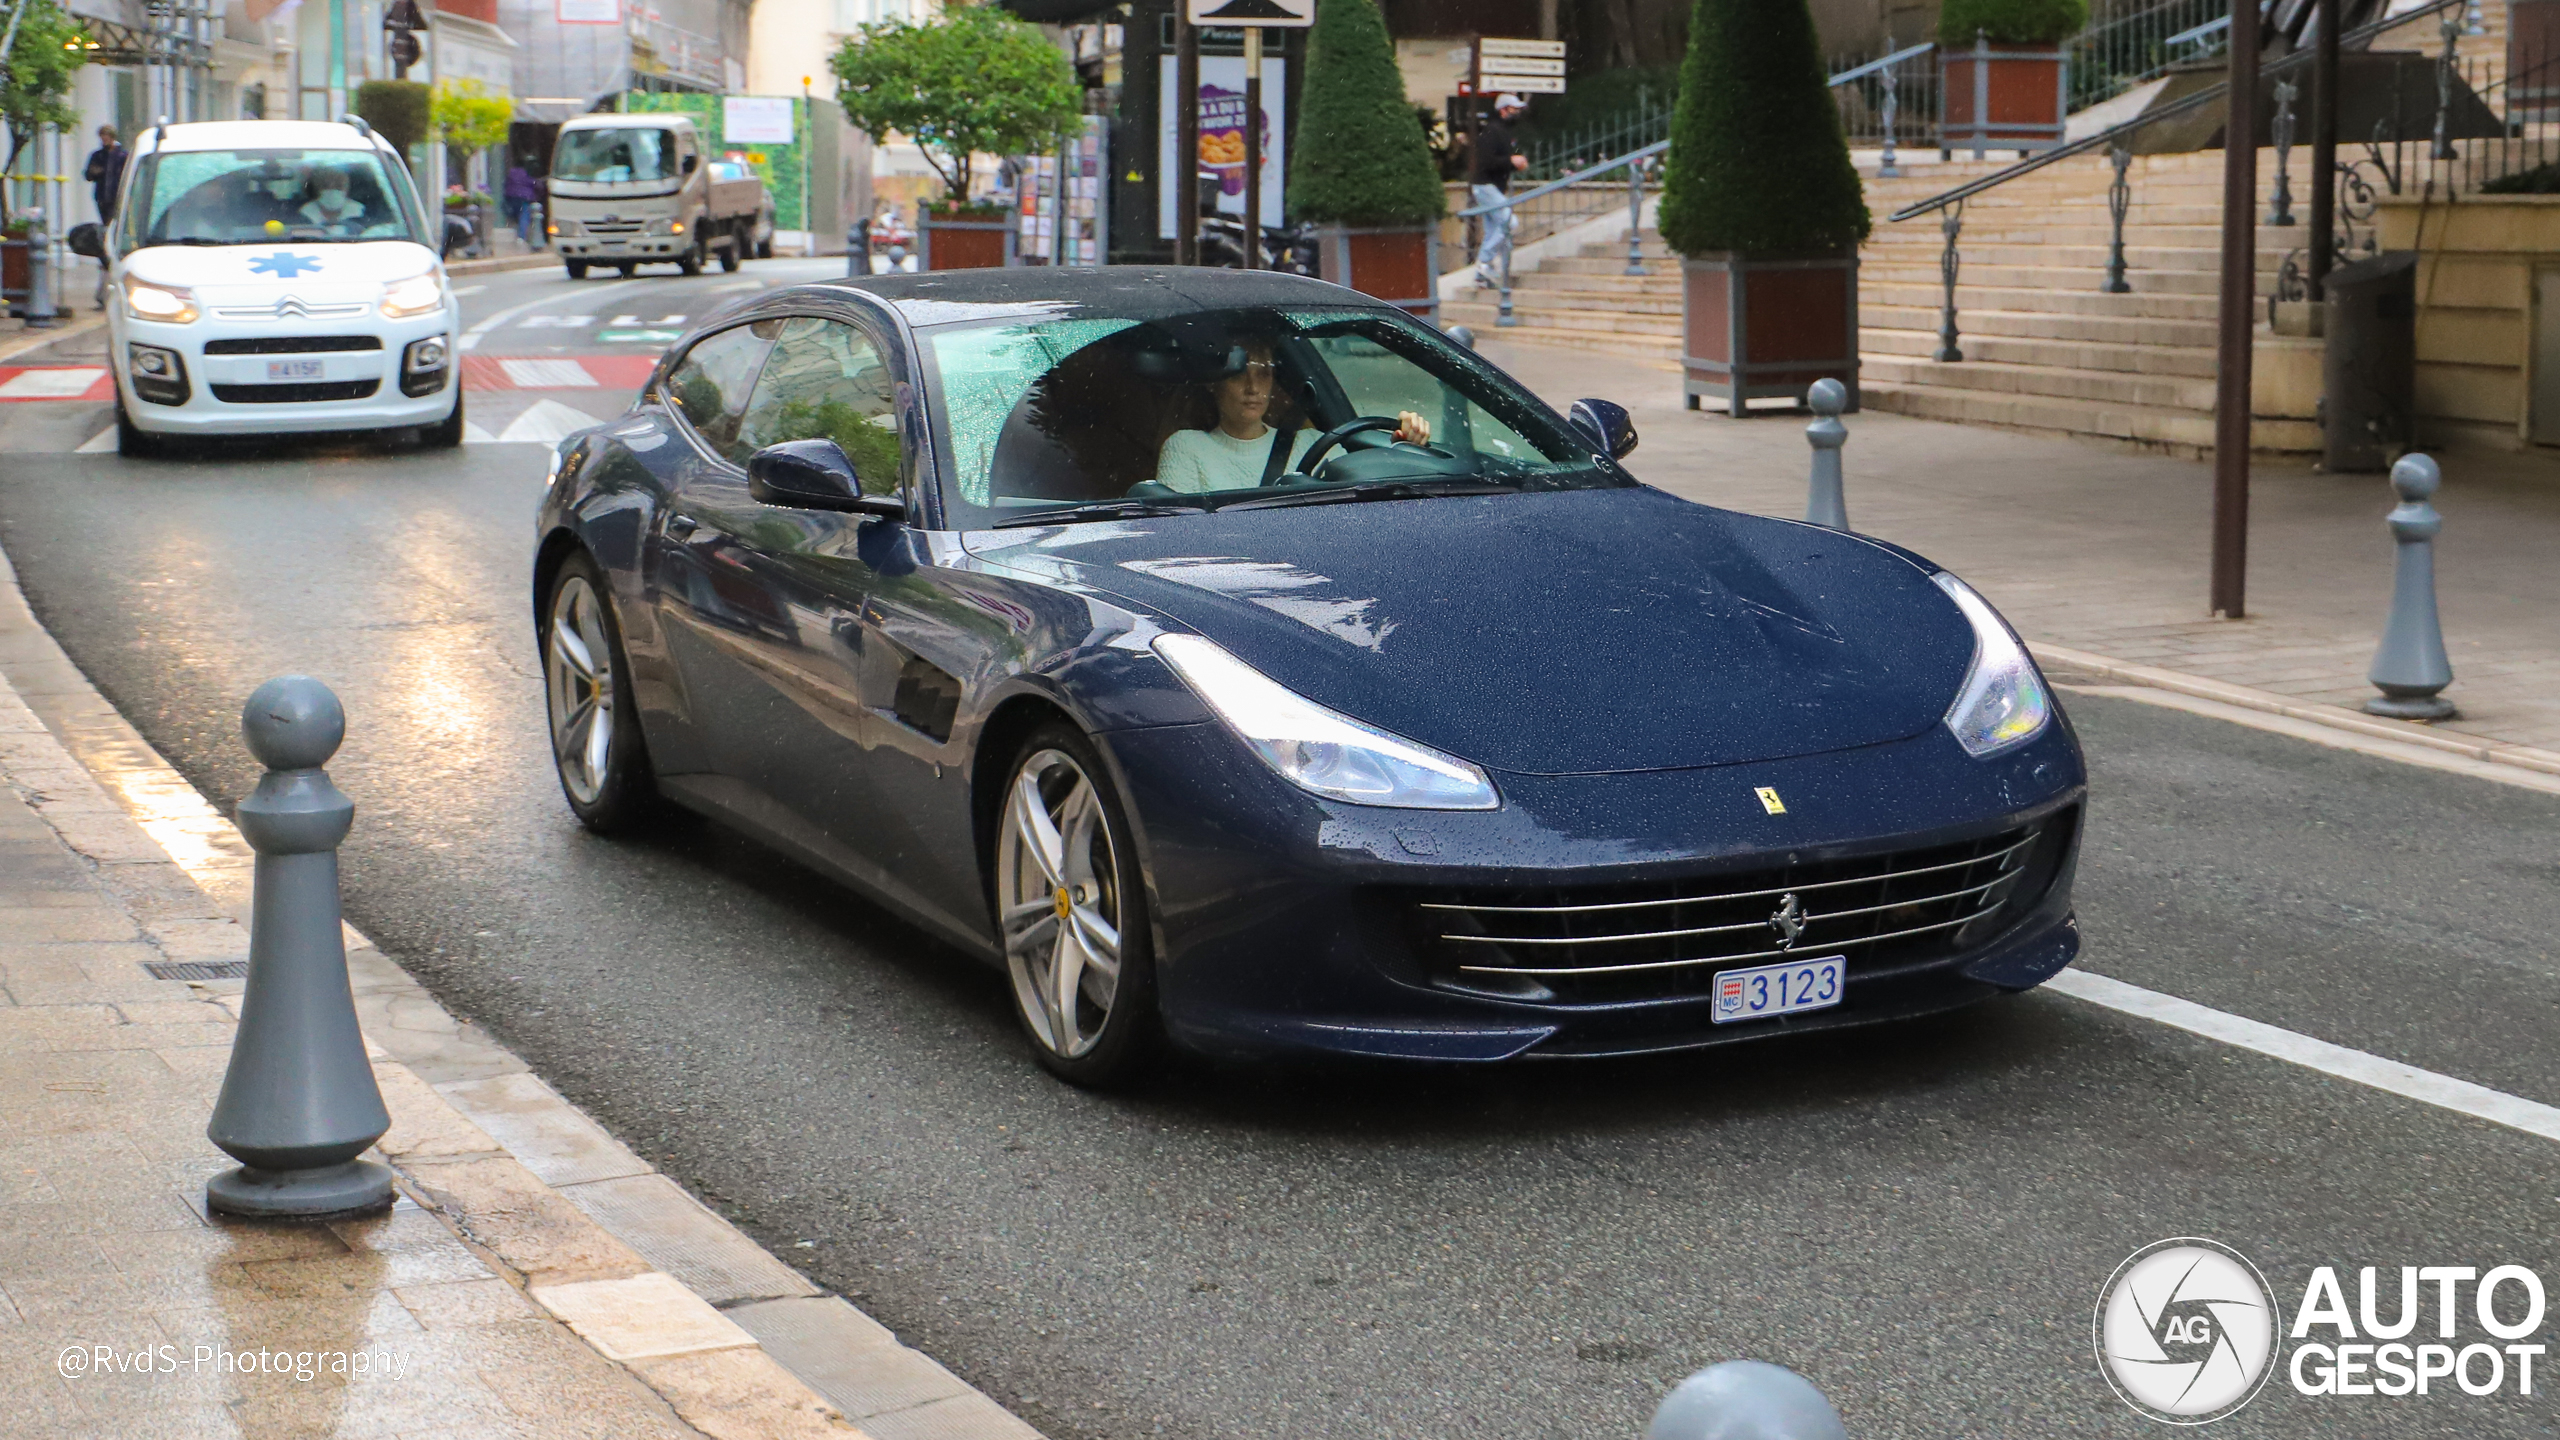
(274, 277)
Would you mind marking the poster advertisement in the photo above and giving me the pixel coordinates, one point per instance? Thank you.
(755, 120)
(1222, 135)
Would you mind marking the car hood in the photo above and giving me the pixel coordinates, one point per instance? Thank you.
(1568, 633)
(315, 273)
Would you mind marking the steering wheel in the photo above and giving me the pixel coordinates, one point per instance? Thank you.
(1328, 440)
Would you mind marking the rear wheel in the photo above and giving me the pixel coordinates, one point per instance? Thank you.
(764, 247)
(1071, 904)
(628, 270)
(596, 746)
(577, 269)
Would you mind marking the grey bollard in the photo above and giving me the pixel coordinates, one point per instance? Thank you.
(299, 1103)
(2411, 666)
(1746, 1400)
(1825, 504)
(41, 314)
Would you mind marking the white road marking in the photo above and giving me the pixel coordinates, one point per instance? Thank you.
(102, 443)
(472, 434)
(549, 375)
(2408, 1081)
(462, 290)
(51, 384)
(548, 422)
(555, 322)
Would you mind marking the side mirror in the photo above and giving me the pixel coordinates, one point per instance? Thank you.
(814, 475)
(84, 239)
(1611, 429)
(690, 162)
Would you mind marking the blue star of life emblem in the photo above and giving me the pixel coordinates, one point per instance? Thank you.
(283, 266)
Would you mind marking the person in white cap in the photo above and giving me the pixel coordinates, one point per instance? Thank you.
(1495, 158)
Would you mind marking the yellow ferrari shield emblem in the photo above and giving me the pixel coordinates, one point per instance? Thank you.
(1770, 802)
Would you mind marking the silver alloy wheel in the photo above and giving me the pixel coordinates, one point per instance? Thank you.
(577, 669)
(1058, 893)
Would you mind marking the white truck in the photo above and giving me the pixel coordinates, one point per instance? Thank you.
(629, 190)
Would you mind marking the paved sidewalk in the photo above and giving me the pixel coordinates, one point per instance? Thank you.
(2108, 552)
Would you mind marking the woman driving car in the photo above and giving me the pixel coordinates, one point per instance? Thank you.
(1243, 449)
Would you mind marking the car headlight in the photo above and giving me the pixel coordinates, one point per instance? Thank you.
(1319, 750)
(167, 304)
(417, 295)
(2003, 702)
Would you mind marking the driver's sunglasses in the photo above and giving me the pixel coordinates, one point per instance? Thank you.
(1259, 369)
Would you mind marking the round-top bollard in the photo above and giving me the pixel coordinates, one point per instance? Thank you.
(1825, 503)
(299, 1103)
(1746, 1400)
(2411, 666)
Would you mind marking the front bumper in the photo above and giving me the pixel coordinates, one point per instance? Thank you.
(234, 394)
(1285, 922)
(659, 245)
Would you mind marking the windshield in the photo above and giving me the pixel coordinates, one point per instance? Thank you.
(247, 197)
(1044, 418)
(604, 157)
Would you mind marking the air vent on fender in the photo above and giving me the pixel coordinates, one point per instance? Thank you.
(928, 698)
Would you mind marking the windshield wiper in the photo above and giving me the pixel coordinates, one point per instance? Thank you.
(1101, 510)
(1374, 490)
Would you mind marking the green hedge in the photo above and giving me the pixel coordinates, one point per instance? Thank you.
(1359, 157)
(2014, 22)
(1758, 163)
(396, 109)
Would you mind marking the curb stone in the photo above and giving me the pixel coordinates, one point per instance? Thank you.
(735, 1341)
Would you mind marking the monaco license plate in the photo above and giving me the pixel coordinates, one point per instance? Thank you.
(1767, 990)
(293, 369)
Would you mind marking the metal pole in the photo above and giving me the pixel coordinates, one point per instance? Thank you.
(1184, 174)
(2444, 83)
(2119, 203)
(2411, 666)
(2239, 312)
(1635, 217)
(1951, 222)
(1825, 502)
(2324, 151)
(1892, 112)
(40, 311)
(1505, 317)
(2280, 207)
(1252, 147)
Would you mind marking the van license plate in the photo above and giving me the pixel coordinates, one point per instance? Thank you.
(293, 369)
(1778, 989)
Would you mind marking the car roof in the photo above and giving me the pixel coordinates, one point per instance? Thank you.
(1137, 291)
(255, 135)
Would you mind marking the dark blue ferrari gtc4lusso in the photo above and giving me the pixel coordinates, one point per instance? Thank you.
(1240, 663)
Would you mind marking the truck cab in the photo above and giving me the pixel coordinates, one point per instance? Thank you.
(628, 190)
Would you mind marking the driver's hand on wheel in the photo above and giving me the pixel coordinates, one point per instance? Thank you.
(1412, 429)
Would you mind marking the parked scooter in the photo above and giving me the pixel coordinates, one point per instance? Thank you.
(1289, 249)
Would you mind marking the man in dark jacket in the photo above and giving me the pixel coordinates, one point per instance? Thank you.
(105, 174)
(1494, 159)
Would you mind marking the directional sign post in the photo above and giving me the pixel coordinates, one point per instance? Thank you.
(1521, 67)
(1254, 16)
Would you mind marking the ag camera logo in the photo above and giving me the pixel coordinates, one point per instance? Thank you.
(2186, 1331)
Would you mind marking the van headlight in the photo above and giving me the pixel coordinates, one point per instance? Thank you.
(1318, 750)
(2002, 702)
(417, 295)
(168, 304)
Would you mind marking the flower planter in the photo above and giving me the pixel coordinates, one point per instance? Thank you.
(14, 278)
(2533, 59)
(964, 244)
(1395, 263)
(2002, 97)
(1759, 328)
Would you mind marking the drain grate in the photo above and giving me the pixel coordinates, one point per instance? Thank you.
(197, 969)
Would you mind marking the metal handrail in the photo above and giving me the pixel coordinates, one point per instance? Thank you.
(1872, 66)
(1588, 172)
(2114, 133)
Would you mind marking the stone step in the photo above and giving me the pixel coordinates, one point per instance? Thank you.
(2127, 333)
(2089, 300)
(2179, 432)
(1981, 370)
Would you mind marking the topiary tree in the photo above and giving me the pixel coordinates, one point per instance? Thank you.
(396, 109)
(972, 80)
(2011, 22)
(35, 86)
(1361, 159)
(1758, 163)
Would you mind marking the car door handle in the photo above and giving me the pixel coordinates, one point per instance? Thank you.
(680, 527)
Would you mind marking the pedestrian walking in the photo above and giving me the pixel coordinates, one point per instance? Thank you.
(1494, 159)
(521, 192)
(105, 173)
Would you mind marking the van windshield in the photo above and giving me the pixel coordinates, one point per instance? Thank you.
(250, 197)
(604, 157)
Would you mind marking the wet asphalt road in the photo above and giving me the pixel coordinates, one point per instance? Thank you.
(1919, 1218)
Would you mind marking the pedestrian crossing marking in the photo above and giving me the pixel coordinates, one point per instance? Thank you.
(60, 382)
(548, 374)
(586, 372)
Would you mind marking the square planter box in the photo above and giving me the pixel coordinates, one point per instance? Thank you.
(964, 244)
(2002, 97)
(1395, 263)
(1757, 328)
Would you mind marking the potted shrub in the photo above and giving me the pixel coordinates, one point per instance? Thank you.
(1363, 174)
(1762, 204)
(971, 81)
(2004, 82)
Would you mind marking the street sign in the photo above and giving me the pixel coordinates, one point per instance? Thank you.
(1510, 65)
(1522, 67)
(1490, 48)
(404, 51)
(1523, 84)
(1254, 14)
(403, 15)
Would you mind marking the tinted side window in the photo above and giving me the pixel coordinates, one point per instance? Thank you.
(826, 380)
(710, 385)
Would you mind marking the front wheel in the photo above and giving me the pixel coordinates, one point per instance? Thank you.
(690, 262)
(577, 268)
(1071, 904)
(446, 433)
(132, 441)
(596, 745)
(730, 252)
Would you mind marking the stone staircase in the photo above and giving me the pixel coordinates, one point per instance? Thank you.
(2045, 349)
